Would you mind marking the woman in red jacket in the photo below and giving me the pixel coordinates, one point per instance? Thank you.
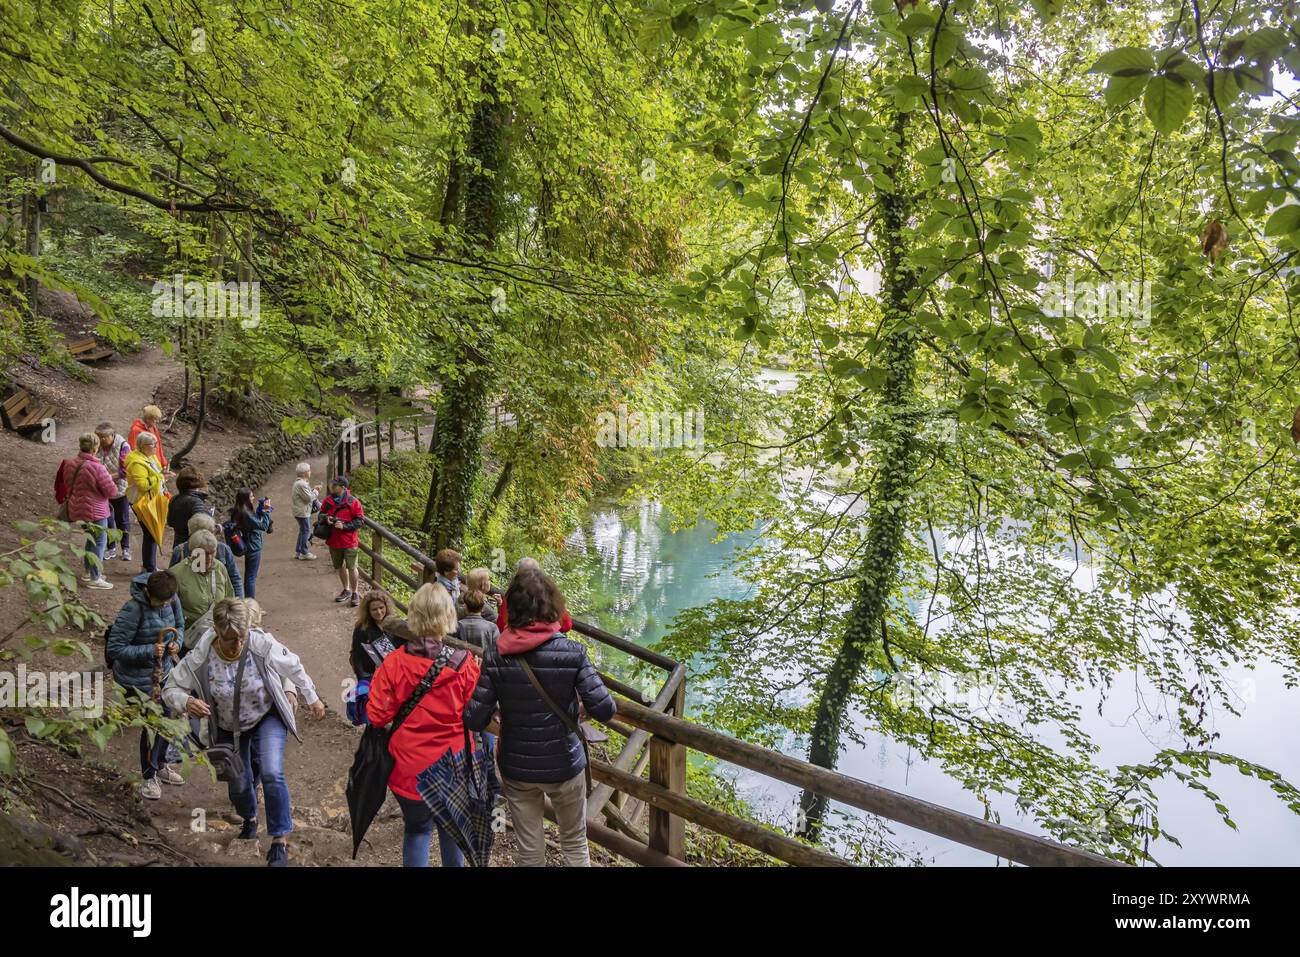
(444, 679)
(150, 416)
(87, 487)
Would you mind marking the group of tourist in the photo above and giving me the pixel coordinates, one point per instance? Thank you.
(112, 476)
(532, 687)
(190, 638)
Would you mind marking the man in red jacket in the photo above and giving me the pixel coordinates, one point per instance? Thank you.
(344, 514)
(525, 564)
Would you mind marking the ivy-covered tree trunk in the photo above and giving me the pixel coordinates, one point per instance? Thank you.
(887, 515)
(463, 402)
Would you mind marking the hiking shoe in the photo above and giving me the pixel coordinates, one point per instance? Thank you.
(278, 855)
(356, 600)
(126, 554)
(99, 583)
(249, 831)
(111, 553)
(343, 596)
(150, 789)
(169, 776)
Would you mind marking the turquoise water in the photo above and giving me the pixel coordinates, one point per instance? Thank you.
(641, 574)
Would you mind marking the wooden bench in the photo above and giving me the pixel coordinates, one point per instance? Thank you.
(89, 350)
(21, 413)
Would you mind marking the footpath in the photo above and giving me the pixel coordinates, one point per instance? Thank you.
(195, 820)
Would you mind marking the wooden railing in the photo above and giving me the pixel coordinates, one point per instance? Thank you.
(647, 777)
(367, 438)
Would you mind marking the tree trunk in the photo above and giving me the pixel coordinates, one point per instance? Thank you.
(450, 215)
(178, 458)
(217, 261)
(32, 222)
(888, 512)
(462, 406)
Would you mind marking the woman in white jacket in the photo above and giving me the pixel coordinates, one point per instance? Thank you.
(203, 686)
(305, 496)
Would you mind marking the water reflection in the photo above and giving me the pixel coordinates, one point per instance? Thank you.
(641, 575)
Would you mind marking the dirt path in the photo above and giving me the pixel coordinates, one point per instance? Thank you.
(298, 596)
(301, 613)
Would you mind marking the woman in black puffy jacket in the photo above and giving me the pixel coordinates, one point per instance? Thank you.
(539, 755)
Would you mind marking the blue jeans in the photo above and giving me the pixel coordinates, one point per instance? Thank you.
(268, 737)
(252, 562)
(418, 835)
(304, 535)
(95, 542)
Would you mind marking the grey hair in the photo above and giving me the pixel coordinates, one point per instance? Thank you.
(145, 438)
(201, 521)
(105, 428)
(303, 468)
(88, 442)
(526, 564)
(202, 539)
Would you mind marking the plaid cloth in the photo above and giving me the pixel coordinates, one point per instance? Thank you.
(461, 790)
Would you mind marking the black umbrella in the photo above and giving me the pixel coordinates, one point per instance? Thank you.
(368, 781)
(373, 764)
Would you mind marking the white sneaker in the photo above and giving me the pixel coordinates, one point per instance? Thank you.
(169, 776)
(310, 556)
(100, 583)
(126, 554)
(111, 553)
(151, 790)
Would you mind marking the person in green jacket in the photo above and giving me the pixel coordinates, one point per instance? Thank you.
(201, 582)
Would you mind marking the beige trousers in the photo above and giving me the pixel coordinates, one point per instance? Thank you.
(526, 802)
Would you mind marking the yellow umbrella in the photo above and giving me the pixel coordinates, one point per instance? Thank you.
(152, 513)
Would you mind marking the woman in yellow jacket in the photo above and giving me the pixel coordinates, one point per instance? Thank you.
(146, 487)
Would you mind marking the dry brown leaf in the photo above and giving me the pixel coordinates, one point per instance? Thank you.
(1214, 240)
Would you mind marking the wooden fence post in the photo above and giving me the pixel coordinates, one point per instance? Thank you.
(376, 553)
(668, 770)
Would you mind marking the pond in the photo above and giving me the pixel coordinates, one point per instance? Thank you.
(641, 574)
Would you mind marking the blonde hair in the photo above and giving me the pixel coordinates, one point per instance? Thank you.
(255, 612)
(479, 579)
(432, 615)
(88, 442)
(231, 619)
(152, 412)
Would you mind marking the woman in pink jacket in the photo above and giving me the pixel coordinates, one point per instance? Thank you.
(87, 487)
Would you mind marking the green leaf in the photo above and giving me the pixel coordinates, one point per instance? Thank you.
(1124, 89)
(1284, 221)
(1168, 101)
(1125, 61)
